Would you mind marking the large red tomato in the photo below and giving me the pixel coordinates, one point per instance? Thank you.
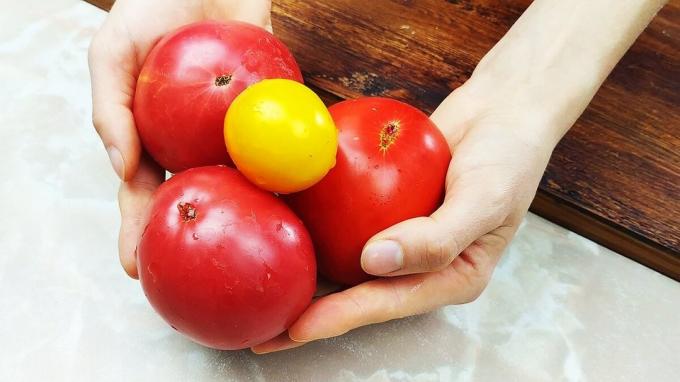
(391, 166)
(188, 82)
(223, 262)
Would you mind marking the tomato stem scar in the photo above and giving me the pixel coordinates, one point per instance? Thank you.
(187, 211)
(223, 80)
(388, 135)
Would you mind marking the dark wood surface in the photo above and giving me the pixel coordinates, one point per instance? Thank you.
(614, 178)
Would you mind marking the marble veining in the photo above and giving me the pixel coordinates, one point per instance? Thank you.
(558, 308)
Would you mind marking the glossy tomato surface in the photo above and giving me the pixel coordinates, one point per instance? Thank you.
(223, 262)
(391, 166)
(190, 78)
(281, 136)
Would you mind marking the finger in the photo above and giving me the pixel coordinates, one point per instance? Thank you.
(257, 12)
(429, 244)
(134, 197)
(282, 342)
(390, 298)
(113, 71)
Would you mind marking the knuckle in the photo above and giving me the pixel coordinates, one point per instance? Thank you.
(498, 197)
(472, 291)
(499, 201)
(497, 219)
(467, 283)
(96, 49)
(437, 254)
(135, 187)
(97, 121)
(476, 284)
(473, 294)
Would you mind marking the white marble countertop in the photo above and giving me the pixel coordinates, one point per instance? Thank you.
(558, 308)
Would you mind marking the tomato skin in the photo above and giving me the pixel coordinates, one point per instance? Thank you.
(281, 136)
(223, 262)
(188, 81)
(379, 180)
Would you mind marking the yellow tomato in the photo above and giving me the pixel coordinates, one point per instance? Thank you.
(281, 136)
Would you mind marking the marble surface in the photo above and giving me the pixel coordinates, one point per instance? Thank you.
(558, 308)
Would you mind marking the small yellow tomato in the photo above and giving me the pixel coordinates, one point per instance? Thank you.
(281, 136)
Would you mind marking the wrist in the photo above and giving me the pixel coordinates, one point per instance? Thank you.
(548, 67)
(537, 117)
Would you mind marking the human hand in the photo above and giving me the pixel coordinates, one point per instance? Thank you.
(502, 126)
(447, 258)
(116, 56)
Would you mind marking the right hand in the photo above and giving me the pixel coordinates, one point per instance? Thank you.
(116, 55)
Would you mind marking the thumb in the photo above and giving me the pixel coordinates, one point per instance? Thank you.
(428, 244)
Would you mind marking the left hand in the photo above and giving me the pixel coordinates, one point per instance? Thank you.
(116, 56)
(499, 155)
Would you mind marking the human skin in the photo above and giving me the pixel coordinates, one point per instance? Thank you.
(116, 55)
(502, 124)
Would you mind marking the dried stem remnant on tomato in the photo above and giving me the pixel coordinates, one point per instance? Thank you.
(388, 135)
(187, 211)
(223, 80)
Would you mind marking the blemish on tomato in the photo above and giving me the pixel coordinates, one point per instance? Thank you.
(223, 80)
(187, 211)
(388, 135)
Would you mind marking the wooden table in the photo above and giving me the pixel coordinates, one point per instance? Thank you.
(614, 178)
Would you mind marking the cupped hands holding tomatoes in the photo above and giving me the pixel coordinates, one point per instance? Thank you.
(427, 261)
(448, 257)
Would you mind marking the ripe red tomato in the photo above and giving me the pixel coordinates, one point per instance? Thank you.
(223, 262)
(188, 81)
(391, 166)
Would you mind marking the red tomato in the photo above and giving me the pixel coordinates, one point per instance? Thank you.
(391, 166)
(188, 82)
(223, 262)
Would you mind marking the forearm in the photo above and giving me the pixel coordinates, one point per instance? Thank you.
(556, 56)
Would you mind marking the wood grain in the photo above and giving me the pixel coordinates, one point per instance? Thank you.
(614, 178)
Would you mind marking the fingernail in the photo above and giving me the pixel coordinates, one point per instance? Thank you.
(116, 161)
(382, 257)
(259, 350)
